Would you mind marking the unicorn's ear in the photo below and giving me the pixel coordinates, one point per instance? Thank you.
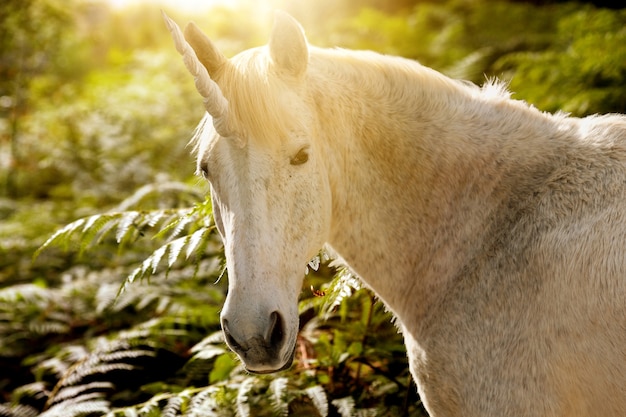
(288, 45)
(206, 51)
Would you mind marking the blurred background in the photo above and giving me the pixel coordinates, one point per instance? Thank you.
(96, 110)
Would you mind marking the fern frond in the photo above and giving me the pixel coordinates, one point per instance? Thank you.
(33, 389)
(343, 286)
(159, 188)
(181, 224)
(208, 352)
(278, 400)
(173, 223)
(121, 355)
(19, 293)
(203, 404)
(209, 347)
(243, 404)
(172, 407)
(60, 237)
(317, 394)
(345, 406)
(77, 409)
(18, 410)
(92, 228)
(86, 371)
(195, 243)
(125, 225)
(174, 250)
(73, 392)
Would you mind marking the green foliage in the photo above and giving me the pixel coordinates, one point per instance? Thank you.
(337, 357)
(119, 313)
(584, 70)
(559, 57)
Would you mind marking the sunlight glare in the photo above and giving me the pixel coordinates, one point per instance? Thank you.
(188, 6)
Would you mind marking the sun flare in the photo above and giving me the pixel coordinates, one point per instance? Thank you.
(191, 6)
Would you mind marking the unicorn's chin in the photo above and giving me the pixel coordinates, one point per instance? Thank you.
(271, 368)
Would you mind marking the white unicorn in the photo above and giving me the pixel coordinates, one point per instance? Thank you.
(494, 232)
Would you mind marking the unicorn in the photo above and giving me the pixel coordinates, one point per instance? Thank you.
(495, 233)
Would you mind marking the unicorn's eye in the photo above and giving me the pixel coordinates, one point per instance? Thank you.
(301, 157)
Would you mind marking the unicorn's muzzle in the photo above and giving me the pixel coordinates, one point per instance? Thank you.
(265, 350)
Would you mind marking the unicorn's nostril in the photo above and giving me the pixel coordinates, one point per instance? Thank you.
(230, 340)
(271, 339)
(274, 336)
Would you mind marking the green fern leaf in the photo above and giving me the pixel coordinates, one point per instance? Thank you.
(74, 392)
(154, 217)
(60, 237)
(182, 222)
(79, 409)
(18, 410)
(175, 247)
(89, 369)
(343, 286)
(124, 354)
(194, 241)
(243, 404)
(151, 408)
(208, 352)
(204, 404)
(93, 226)
(172, 407)
(156, 256)
(81, 398)
(345, 406)
(172, 222)
(124, 225)
(317, 394)
(278, 388)
(138, 273)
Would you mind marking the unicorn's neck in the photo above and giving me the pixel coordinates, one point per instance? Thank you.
(424, 166)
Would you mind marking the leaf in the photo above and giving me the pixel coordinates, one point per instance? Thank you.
(154, 217)
(317, 394)
(180, 224)
(341, 287)
(174, 220)
(194, 241)
(125, 224)
(243, 405)
(222, 368)
(156, 257)
(61, 236)
(314, 263)
(92, 228)
(203, 403)
(175, 248)
(345, 406)
(79, 409)
(173, 406)
(278, 388)
(208, 352)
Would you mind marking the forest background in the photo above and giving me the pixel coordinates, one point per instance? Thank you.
(96, 110)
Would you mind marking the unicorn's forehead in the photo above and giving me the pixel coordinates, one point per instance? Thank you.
(261, 104)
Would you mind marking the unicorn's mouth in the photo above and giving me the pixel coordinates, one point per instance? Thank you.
(287, 364)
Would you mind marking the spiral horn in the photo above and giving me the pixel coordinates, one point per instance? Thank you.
(214, 101)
